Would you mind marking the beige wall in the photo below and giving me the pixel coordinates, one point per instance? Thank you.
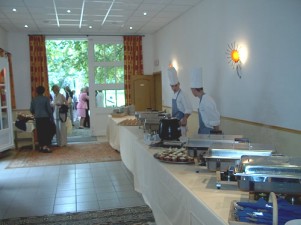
(287, 142)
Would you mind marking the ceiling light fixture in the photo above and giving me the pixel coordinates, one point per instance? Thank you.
(56, 16)
(82, 14)
(68, 11)
(108, 12)
(90, 27)
(131, 28)
(145, 13)
(26, 26)
(14, 10)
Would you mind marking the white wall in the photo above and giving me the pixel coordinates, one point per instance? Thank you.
(18, 46)
(148, 54)
(269, 90)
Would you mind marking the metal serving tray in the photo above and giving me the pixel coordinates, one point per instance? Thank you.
(221, 156)
(197, 147)
(280, 174)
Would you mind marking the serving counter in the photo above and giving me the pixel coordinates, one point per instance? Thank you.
(175, 192)
(113, 130)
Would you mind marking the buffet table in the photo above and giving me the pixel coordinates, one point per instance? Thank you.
(175, 192)
(113, 130)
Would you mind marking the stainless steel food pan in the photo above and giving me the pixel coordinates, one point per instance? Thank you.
(221, 156)
(199, 146)
(280, 174)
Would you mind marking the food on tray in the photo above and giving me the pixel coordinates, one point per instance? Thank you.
(130, 122)
(174, 156)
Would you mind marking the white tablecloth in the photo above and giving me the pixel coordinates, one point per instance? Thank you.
(175, 192)
(113, 130)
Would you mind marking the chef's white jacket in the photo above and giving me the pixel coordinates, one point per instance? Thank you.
(208, 111)
(183, 103)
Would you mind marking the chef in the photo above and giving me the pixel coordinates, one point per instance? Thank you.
(181, 106)
(209, 117)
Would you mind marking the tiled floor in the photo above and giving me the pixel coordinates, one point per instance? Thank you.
(67, 188)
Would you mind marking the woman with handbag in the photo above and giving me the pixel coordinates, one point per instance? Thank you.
(59, 101)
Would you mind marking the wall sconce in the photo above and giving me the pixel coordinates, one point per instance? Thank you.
(237, 55)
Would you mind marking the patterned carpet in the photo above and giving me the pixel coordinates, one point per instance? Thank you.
(140, 215)
(71, 154)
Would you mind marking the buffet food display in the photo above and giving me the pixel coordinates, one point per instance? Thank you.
(255, 167)
(221, 156)
(178, 156)
(130, 122)
(280, 174)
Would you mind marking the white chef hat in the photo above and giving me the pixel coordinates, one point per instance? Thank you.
(196, 78)
(172, 75)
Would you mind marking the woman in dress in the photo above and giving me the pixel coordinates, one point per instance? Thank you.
(82, 106)
(61, 129)
(41, 109)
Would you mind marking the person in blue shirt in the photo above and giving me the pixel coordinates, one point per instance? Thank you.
(42, 111)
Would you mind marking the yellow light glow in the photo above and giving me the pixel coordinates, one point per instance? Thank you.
(235, 55)
(174, 64)
(243, 53)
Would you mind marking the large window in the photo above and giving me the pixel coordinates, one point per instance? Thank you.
(109, 74)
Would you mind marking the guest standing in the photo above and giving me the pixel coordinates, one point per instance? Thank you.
(69, 98)
(87, 118)
(61, 129)
(41, 109)
(82, 106)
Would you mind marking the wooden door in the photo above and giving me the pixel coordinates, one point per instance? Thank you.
(158, 91)
(142, 92)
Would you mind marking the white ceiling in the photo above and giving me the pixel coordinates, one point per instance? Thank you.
(107, 17)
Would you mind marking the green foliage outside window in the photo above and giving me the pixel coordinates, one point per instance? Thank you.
(67, 62)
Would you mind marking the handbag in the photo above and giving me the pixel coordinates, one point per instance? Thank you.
(63, 110)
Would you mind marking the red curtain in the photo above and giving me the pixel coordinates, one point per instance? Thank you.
(3, 53)
(38, 64)
(133, 62)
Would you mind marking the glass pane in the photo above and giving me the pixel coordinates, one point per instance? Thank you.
(109, 53)
(120, 98)
(99, 75)
(110, 98)
(99, 53)
(3, 96)
(119, 75)
(110, 78)
(119, 52)
(4, 119)
(99, 98)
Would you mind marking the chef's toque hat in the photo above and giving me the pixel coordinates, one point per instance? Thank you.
(172, 75)
(196, 78)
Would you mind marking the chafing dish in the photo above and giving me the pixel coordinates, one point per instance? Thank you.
(223, 157)
(198, 146)
(150, 119)
(279, 174)
(151, 125)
